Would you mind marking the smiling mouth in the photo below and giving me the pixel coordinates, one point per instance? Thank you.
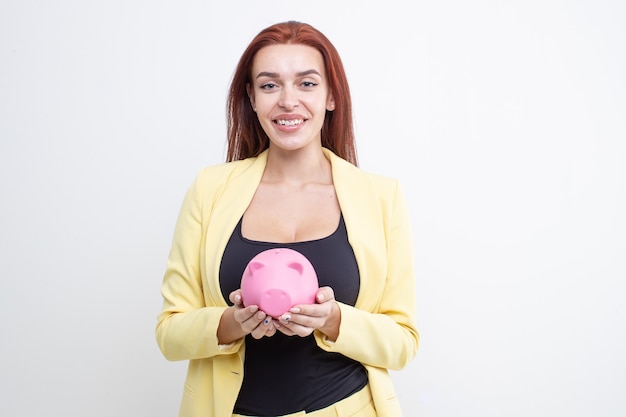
(289, 122)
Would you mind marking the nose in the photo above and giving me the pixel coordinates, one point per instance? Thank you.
(288, 98)
(275, 302)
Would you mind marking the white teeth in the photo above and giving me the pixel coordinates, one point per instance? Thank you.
(289, 122)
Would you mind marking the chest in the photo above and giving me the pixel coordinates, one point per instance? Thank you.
(279, 213)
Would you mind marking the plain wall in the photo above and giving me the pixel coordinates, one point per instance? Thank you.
(504, 120)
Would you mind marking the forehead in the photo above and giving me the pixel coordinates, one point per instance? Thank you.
(287, 58)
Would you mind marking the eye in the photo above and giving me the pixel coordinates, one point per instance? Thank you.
(268, 86)
(308, 84)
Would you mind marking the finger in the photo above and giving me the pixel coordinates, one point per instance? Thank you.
(298, 324)
(264, 328)
(300, 312)
(250, 325)
(298, 321)
(235, 297)
(243, 314)
(271, 327)
(324, 294)
(286, 331)
(296, 329)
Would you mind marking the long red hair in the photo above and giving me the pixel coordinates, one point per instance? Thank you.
(246, 137)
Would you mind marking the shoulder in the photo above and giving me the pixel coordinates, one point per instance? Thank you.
(211, 181)
(221, 173)
(358, 177)
(225, 169)
(379, 181)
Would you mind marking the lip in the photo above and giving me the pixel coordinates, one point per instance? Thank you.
(289, 122)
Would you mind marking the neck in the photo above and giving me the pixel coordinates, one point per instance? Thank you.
(297, 167)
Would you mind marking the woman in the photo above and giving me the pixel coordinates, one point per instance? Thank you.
(290, 180)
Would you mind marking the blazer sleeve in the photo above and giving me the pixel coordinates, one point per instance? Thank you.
(384, 335)
(187, 327)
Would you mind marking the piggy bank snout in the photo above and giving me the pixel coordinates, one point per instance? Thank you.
(275, 302)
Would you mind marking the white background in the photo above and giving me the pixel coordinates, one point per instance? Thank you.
(505, 121)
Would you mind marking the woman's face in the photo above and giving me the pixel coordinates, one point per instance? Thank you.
(290, 94)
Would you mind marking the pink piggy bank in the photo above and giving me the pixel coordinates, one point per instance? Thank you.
(278, 279)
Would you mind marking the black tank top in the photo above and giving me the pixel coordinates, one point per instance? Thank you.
(283, 374)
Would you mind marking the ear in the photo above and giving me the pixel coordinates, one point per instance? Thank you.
(250, 92)
(297, 266)
(330, 102)
(255, 266)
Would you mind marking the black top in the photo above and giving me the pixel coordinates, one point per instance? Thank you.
(287, 374)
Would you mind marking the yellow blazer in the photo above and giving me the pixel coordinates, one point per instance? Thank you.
(379, 331)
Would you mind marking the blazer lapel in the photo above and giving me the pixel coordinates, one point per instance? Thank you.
(239, 188)
(362, 215)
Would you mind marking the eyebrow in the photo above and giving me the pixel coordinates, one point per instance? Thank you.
(276, 75)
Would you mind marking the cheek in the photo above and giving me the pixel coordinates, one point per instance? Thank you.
(263, 117)
(264, 100)
(263, 109)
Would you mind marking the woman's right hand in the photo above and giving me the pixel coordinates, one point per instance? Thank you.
(250, 319)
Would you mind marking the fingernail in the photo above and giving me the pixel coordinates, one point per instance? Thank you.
(320, 297)
(295, 310)
(266, 321)
(237, 298)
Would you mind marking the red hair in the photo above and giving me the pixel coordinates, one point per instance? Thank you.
(246, 137)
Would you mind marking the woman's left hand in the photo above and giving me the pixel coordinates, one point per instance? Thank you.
(303, 319)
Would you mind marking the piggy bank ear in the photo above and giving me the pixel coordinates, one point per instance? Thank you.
(297, 266)
(255, 266)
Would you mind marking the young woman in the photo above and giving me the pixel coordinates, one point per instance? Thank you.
(290, 180)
